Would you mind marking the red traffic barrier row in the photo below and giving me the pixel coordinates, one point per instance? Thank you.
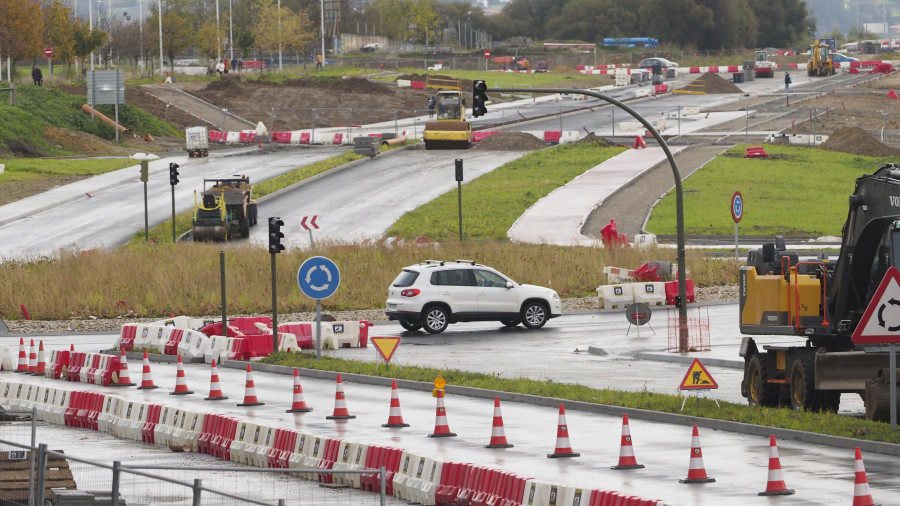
(94, 368)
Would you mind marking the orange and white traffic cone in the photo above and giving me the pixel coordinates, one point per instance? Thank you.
(696, 471)
(215, 389)
(41, 360)
(498, 434)
(146, 377)
(395, 419)
(775, 484)
(563, 446)
(32, 359)
(340, 403)
(299, 404)
(441, 429)
(250, 390)
(861, 495)
(122, 379)
(181, 387)
(626, 451)
(23, 359)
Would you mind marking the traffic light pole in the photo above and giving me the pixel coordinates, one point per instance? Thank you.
(173, 214)
(679, 201)
(274, 307)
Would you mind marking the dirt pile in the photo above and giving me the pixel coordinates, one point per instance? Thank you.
(712, 84)
(600, 142)
(510, 141)
(856, 141)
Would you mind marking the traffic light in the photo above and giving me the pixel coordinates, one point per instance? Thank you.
(173, 173)
(275, 235)
(479, 97)
(459, 169)
(145, 171)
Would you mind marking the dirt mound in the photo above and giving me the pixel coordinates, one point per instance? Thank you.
(856, 141)
(598, 141)
(510, 141)
(712, 84)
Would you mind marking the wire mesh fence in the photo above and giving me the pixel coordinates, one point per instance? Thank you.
(155, 475)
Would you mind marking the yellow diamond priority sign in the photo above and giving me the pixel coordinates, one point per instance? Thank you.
(386, 347)
(698, 378)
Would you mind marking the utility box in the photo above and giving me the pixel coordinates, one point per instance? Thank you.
(364, 145)
(197, 141)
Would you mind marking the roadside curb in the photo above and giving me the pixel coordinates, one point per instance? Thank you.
(602, 409)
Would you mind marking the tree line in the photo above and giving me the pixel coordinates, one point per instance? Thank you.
(27, 26)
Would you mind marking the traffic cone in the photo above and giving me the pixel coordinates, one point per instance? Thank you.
(32, 359)
(23, 360)
(250, 390)
(861, 495)
(122, 379)
(146, 378)
(41, 360)
(215, 389)
(696, 471)
(775, 484)
(498, 435)
(299, 405)
(639, 142)
(563, 447)
(340, 403)
(180, 381)
(626, 451)
(441, 429)
(892, 94)
(395, 419)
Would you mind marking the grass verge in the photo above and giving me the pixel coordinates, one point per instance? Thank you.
(494, 201)
(794, 191)
(820, 423)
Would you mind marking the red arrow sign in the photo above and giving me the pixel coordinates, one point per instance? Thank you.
(312, 222)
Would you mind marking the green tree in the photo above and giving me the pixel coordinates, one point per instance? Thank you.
(86, 40)
(178, 34)
(21, 29)
(208, 39)
(592, 20)
(682, 30)
(783, 21)
(58, 20)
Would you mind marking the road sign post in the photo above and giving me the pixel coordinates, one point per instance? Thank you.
(318, 278)
(737, 212)
(48, 52)
(638, 314)
(312, 225)
(459, 178)
(698, 379)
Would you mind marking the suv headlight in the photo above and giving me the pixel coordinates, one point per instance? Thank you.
(554, 295)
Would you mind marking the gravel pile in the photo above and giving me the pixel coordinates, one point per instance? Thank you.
(706, 295)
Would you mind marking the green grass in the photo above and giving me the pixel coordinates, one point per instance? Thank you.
(25, 125)
(24, 169)
(795, 191)
(493, 201)
(821, 423)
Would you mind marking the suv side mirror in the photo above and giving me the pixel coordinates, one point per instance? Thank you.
(509, 284)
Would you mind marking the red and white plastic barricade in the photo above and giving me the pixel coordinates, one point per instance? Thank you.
(232, 137)
(650, 293)
(216, 136)
(420, 486)
(60, 406)
(247, 136)
(281, 137)
(126, 336)
(236, 348)
(59, 360)
(108, 417)
(148, 429)
(190, 424)
(193, 344)
(258, 454)
(671, 288)
(168, 420)
(246, 432)
(141, 337)
(171, 346)
(216, 349)
(91, 362)
(409, 462)
(347, 451)
(302, 332)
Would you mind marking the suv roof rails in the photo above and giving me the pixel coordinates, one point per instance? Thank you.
(438, 262)
(462, 261)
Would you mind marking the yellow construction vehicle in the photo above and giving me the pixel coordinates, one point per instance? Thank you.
(825, 302)
(820, 60)
(224, 205)
(449, 130)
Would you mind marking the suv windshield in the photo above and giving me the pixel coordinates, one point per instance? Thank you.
(406, 278)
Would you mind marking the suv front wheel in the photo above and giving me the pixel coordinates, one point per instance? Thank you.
(534, 314)
(435, 319)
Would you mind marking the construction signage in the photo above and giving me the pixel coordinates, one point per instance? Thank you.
(698, 378)
(881, 321)
(386, 346)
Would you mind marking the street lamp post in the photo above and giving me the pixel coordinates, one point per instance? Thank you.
(230, 31)
(159, 6)
(322, 17)
(280, 68)
(91, 27)
(218, 37)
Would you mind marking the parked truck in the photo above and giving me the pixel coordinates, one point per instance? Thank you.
(225, 207)
(197, 141)
(823, 302)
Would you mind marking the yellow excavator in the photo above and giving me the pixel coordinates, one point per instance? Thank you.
(820, 60)
(449, 130)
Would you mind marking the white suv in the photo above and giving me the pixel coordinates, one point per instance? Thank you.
(434, 294)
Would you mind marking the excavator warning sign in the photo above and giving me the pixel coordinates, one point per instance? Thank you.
(698, 378)
(386, 346)
(881, 321)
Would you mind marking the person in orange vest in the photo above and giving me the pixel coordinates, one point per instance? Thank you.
(318, 62)
(227, 63)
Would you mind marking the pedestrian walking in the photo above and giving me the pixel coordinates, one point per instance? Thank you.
(431, 104)
(234, 65)
(318, 62)
(37, 76)
(787, 82)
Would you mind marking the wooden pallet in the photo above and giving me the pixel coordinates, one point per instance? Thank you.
(15, 471)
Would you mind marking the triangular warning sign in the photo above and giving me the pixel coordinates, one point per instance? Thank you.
(885, 307)
(386, 346)
(698, 378)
